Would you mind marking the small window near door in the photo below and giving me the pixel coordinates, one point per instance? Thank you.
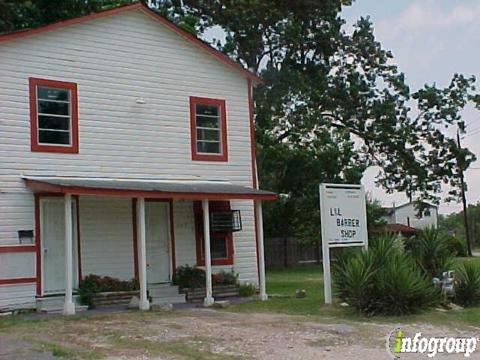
(208, 129)
(221, 243)
(53, 116)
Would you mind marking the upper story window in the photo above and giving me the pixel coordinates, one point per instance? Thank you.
(53, 116)
(208, 129)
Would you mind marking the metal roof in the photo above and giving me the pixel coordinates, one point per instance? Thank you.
(184, 189)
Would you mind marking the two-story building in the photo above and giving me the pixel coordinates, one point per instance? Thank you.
(126, 150)
(409, 215)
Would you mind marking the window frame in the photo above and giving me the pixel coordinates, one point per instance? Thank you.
(198, 212)
(34, 141)
(197, 156)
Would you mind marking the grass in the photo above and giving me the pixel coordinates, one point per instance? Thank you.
(286, 281)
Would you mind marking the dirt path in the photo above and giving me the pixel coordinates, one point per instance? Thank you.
(202, 334)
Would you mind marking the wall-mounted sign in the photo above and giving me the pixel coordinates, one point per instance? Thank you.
(343, 212)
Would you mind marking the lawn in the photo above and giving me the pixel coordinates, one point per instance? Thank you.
(284, 282)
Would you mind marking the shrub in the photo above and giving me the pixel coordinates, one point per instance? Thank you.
(431, 252)
(92, 284)
(383, 280)
(467, 284)
(225, 278)
(247, 290)
(189, 277)
(456, 246)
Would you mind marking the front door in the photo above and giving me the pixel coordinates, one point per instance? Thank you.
(157, 241)
(52, 236)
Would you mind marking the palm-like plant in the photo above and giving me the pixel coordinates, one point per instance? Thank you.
(467, 284)
(431, 252)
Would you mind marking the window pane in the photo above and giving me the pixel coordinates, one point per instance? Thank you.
(55, 108)
(53, 122)
(47, 93)
(210, 122)
(208, 135)
(218, 247)
(53, 137)
(208, 147)
(208, 110)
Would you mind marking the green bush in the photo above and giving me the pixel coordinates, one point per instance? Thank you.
(467, 284)
(92, 284)
(432, 252)
(456, 246)
(189, 277)
(383, 280)
(225, 278)
(247, 290)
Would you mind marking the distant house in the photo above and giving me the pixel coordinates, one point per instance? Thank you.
(127, 150)
(408, 215)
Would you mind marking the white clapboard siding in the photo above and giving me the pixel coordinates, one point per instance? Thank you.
(116, 60)
(17, 296)
(106, 237)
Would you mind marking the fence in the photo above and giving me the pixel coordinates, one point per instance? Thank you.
(285, 252)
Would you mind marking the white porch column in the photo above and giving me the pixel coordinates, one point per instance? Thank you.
(209, 300)
(69, 306)
(261, 253)
(142, 255)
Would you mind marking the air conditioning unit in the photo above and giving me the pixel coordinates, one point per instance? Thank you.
(225, 221)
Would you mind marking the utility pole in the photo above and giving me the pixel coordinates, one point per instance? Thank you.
(464, 201)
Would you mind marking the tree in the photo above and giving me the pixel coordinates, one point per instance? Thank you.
(23, 14)
(333, 104)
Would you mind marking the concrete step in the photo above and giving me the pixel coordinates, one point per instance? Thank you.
(53, 302)
(178, 299)
(59, 310)
(163, 292)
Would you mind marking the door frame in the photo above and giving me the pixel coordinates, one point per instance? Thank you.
(170, 230)
(40, 263)
(170, 236)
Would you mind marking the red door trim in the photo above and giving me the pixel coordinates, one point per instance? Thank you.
(38, 242)
(172, 238)
(79, 245)
(135, 239)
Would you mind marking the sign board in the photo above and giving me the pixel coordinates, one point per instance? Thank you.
(343, 212)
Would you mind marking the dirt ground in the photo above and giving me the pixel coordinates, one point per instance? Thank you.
(203, 334)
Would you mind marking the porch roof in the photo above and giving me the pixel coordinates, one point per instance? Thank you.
(147, 188)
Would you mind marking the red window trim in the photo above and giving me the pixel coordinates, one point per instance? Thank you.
(35, 146)
(193, 129)
(214, 205)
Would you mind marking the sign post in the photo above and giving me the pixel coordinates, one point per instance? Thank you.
(343, 213)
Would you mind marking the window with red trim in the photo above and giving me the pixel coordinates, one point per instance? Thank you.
(208, 123)
(221, 244)
(53, 116)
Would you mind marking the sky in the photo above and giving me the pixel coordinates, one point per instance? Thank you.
(431, 40)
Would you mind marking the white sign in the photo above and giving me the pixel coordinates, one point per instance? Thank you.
(344, 215)
(343, 212)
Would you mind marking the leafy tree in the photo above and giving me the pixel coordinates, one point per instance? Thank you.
(333, 102)
(22, 14)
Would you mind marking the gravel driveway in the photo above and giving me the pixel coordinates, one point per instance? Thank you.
(202, 334)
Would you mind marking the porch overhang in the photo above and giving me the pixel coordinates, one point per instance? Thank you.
(147, 188)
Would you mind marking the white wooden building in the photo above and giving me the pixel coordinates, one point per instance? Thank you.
(408, 215)
(120, 133)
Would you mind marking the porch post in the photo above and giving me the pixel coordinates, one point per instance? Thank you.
(261, 254)
(142, 255)
(208, 261)
(69, 306)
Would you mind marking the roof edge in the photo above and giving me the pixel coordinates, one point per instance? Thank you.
(151, 13)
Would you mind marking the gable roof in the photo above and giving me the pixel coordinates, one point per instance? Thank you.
(151, 13)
